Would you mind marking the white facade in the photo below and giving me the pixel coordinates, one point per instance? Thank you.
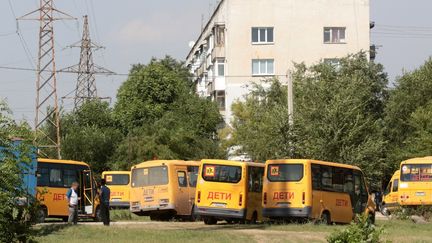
(246, 41)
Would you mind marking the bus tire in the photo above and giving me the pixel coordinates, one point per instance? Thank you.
(325, 218)
(98, 217)
(41, 215)
(210, 221)
(385, 211)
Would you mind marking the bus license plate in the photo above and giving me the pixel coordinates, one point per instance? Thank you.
(148, 199)
(420, 194)
(115, 199)
(219, 205)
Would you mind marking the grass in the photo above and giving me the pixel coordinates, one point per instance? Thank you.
(395, 231)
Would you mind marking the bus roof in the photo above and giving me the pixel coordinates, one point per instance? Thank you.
(60, 161)
(152, 163)
(231, 162)
(421, 160)
(289, 161)
(117, 172)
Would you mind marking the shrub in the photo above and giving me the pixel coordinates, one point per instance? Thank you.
(405, 213)
(357, 232)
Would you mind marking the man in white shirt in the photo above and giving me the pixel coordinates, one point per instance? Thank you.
(72, 198)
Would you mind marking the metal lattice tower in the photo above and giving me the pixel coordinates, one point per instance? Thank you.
(47, 119)
(86, 69)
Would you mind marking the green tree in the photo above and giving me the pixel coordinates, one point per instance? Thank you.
(150, 90)
(91, 134)
(339, 112)
(14, 218)
(338, 116)
(261, 123)
(162, 116)
(408, 103)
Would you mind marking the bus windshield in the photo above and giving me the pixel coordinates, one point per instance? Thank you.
(117, 179)
(222, 173)
(285, 172)
(416, 172)
(152, 176)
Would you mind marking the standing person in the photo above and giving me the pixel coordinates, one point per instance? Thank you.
(72, 198)
(105, 194)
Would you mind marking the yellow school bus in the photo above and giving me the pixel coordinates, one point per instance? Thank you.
(54, 178)
(317, 190)
(230, 191)
(410, 186)
(119, 184)
(163, 189)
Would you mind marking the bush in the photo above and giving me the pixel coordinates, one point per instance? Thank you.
(357, 232)
(405, 213)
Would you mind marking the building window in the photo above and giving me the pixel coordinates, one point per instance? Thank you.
(335, 62)
(262, 67)
(220, 64)
(220, 99)
(262, 35)
(334, 35)
(220, 35)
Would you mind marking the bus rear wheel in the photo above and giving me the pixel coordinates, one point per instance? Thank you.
(210, 221)
(325, 218)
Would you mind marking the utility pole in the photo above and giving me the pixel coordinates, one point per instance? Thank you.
(47, 117)
(86, 69)
(290, 97)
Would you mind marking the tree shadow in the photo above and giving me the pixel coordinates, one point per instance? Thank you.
(48, 229)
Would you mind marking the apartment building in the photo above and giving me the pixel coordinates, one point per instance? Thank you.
(246, 41)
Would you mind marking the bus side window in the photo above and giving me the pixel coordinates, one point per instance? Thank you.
(388, 189)
(181, 176)
(43, 176)
(69, 177)
(348, 182)
(316, 177)
(55, 177)
(395, 186)
(338, 179)
(326, 180)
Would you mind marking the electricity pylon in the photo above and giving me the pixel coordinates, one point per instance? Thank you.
(86, 69)
(47, 118)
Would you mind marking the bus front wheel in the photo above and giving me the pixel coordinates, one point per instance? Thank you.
(41, 215)
(210, 221)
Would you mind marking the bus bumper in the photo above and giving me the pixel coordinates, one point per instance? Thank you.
(119, 204)
(287, 212)
(221, 213)
(135, 208)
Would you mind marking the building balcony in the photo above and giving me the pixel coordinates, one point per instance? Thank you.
(218, 52)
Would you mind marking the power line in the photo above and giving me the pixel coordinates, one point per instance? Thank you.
(140, 75)
(21, 38)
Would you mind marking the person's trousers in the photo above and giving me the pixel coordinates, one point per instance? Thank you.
(105, 214)
(73, 215)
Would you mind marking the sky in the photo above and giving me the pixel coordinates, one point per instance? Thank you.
(133, 31)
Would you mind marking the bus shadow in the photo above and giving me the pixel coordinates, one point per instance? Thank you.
(231, 227)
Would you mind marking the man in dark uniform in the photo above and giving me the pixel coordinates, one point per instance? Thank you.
(104, 203)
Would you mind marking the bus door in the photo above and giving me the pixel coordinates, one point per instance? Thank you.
(182, 199)
(87, 193)
(192, 176)
(361, 195)
(255, 184)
